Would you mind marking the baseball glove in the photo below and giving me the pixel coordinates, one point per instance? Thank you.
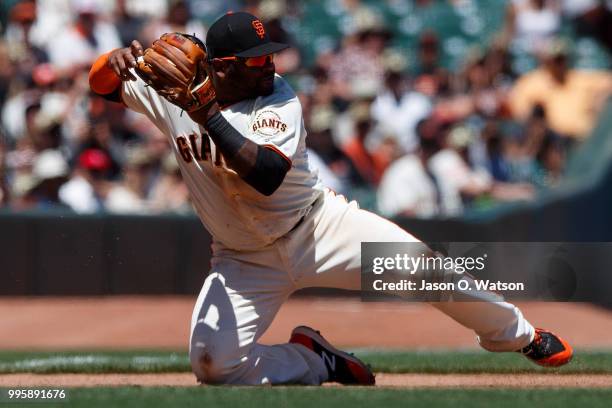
(175, 66)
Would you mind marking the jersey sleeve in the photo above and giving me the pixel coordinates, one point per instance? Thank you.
(137, 96)
(278, 127)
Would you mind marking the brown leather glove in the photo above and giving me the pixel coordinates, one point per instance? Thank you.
(175, 66)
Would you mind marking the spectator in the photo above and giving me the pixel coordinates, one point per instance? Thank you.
(531, 23)
(170, 194)
(88, 186)
(512, 151)
(20, 159)
(129, 25)
(129, 195)
(324, 92)
(487, 79)
(550, 161)
(53, 17)
(22, 52)
(148, 9)
(19, 113)
(76, 47)
(457, 181)
(48, 106)
(496, 161)
(157, 150)
(461, 184)
(355, 148)
(271, 12)
(545, 150)
(398, 109)
(430, 78)
(5, 196)
(571, 98)
(178, 19)
(408, 188)
(49, 172)
(591, 18)
(321, 141)
(357, 69)
(6, 72)
(97, 135)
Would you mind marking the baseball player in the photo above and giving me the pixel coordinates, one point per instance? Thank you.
(237, 131)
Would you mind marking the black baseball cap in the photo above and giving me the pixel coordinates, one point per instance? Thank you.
(240, 34)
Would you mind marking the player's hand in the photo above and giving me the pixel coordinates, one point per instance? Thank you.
(122, 59)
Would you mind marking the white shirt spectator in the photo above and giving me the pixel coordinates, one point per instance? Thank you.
(79, 195)
(70, 48)
(407, 189)
(147, 8)
(51, 17)
(533, 26)
(453, 175)
(13, 115)
(122, 200)
(576, 8)
(399, 119)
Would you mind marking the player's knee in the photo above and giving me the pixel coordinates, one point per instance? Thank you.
(215, 361)
(210, 366)
(205, 367)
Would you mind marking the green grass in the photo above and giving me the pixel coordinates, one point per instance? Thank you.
(287, 396)
(478, 361)
(309, 397)
(381, 361)
(94, 362)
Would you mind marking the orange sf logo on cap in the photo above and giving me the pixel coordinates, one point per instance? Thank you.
(259, 28)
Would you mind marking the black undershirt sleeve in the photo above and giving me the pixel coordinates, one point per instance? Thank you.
(227, 139)
(269, 171)
(114, 96)
(266, 172)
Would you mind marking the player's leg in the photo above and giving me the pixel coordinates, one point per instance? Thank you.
(329, 255)
(237, 303)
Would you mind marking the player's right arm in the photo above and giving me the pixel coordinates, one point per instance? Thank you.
(112, 77)
(110, 69)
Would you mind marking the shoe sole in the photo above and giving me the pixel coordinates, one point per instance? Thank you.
(358, 369)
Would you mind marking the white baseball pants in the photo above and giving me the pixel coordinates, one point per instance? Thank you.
(245, 290)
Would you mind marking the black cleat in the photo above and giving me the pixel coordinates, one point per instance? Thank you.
(342, 367)
(548, 350)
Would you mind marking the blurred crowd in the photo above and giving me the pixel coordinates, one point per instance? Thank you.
(398, 128)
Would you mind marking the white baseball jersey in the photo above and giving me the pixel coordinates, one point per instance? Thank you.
(235, 214)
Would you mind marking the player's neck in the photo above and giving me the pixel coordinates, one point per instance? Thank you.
(231, 93)
(227, 96)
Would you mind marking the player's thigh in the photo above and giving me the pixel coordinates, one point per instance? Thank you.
(336, 253)
(236, 305)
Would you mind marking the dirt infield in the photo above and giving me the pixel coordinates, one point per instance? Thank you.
(383, 380)
(163, 323)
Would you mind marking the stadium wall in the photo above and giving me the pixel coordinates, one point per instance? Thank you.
(47, 253)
